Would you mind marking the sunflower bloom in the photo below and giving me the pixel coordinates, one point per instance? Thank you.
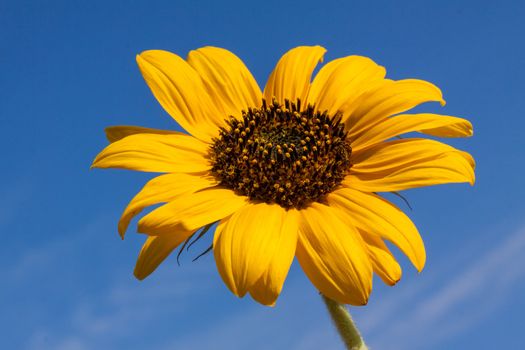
(291, 171)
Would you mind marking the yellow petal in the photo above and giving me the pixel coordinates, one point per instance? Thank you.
(387, 99)
(408, 163)
(191, 211)
(383, 263)
(333, 255)
(248, 242)
(373, 214)
(181, 92)
(269, 285)
(163, 189)
(115, 133)
(227, 80)
(155, 250)
(340, 82)
(155, 153)
(431, 124)
(292, 75)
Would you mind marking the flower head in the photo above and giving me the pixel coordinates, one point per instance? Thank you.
(292, 171)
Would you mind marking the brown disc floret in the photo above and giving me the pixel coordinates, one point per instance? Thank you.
(282, 154)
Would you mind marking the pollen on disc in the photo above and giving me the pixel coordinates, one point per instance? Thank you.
(282, 154)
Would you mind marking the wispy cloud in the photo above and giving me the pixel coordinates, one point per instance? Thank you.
(116, 313)
(13, 197)
(420, 315)
(446, 306)
(298, 322)
(415, 315)
(110, 319)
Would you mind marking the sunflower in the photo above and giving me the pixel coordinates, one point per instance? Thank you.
(292, 171)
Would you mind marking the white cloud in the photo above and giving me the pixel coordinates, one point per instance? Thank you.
(413, 317)
(437, 311)
(13, 198)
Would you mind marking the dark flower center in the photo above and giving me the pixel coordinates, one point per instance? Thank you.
(280, 154)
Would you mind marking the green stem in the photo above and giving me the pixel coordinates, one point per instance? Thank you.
(344, 324)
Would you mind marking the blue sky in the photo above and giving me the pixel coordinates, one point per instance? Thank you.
(68, 71)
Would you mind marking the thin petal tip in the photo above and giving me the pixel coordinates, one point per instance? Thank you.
(140, 278)
(121, 233)
(420, 264)
(270, 303)
(364, 300)
(95, 163)
(265, 299)
(140, 275)
(470, 129)
(142, 58)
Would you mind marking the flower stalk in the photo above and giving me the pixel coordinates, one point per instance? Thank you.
(345, 325)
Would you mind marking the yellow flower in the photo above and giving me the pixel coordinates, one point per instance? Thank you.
(292, 171)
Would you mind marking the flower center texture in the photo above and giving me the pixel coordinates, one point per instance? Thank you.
(282, 154)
